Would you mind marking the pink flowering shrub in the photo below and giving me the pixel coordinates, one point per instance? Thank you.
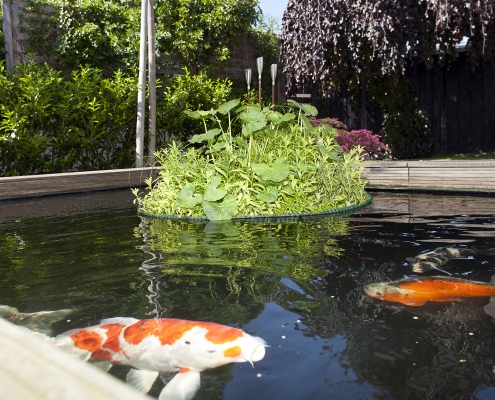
(364, 138)
(367, 140)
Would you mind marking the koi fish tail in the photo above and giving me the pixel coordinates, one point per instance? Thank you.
(41, 321)
(183, 386)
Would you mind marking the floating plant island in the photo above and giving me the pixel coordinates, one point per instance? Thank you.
(253, 162)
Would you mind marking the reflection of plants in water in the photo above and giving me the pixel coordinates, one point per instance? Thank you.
(286, 249)
(228, 268)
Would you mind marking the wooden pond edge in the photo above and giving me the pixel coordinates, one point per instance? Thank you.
(442, 177)
(34, 369)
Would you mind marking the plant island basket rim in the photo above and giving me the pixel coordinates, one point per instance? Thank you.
(264, 218)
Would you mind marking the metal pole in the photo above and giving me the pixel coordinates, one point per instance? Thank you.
(273, 71)
(141, 98)
(152, 82)
(248, 81)
(259, 64)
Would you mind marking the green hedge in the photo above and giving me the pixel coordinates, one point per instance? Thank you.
(52, 124)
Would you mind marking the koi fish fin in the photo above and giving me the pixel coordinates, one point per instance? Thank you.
(119, 320)
(141, 379)
(103, 365)
(490, 308)
(412, 303)
(183, 386)
(444, 299)
(441, 270)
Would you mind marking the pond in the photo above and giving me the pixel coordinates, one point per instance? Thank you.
(298, 285)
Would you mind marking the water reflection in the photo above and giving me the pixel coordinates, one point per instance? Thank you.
(223, 261)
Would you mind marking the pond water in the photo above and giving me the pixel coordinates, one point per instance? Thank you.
(298, 285)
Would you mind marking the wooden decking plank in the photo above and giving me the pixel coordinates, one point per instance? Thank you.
(36, 185)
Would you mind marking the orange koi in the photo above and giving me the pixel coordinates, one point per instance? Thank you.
(163, 345)
(417, 291)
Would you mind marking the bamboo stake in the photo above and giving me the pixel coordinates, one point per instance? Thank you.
(259, 64)
(141, 98)
(273, 72)
(152, 82)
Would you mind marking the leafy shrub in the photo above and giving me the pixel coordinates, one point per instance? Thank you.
(406, 128)
(274, 164)
(331, 122)
(188, 92)
(54, 124)
(370, 143)
(105, 34)
(365, 139)
(97, 33)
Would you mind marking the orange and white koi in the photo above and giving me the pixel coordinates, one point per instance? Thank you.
(163, 345)
(417, 291)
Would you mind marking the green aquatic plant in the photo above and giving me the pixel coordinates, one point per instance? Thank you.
(254, 161)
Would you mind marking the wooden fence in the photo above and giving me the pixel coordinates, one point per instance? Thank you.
(459, 102)
(12, 34)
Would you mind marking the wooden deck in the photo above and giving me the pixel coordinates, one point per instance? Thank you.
(33, 369)
(73, 182)
(453, 176)
(431, 175)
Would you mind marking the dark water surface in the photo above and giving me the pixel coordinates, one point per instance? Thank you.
(298, 285)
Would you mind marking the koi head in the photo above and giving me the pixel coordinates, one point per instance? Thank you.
(390, 291)
(210, 345)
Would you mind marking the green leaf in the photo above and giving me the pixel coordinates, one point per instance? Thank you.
(186, 198)
(241, 142)
(212, 193)
(277, 173)
(307, 124)
(311, 110)
(219, 146)
(269, 195)
(192, 114)
(274, 117)
(220, 211)
(226, 107)
(199, 114)
(325, 152)
(210, 135)
(307, 108)
(337, 147)
(294, 103)
(251, 114)
(253, 126)
(206, 113)
(288, 117)
(267, 133)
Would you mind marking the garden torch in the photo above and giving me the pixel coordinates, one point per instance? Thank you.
(259, 64)
(248, 81)
(273, 70)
